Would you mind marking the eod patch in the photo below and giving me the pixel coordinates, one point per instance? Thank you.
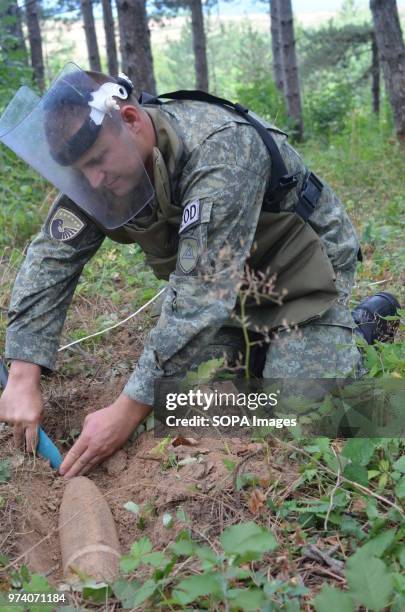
(191, 215)
(188, 254)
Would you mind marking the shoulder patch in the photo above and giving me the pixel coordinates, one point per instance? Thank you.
(188, 254)
(191, 215)
(64, 225)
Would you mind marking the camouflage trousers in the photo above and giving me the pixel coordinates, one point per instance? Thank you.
(322, 348)
(313, 350)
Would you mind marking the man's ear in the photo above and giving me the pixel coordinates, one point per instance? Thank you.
(131, 114)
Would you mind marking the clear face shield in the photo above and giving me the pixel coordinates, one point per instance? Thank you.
(75, 137)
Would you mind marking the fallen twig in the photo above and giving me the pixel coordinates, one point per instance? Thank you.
(314, 553)
(148, 458)
(323, 571)
(238, 467)
(335, 488)
(51, 570)
(385, 280)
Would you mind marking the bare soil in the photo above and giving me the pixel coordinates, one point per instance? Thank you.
(203, 488)
(194, 478)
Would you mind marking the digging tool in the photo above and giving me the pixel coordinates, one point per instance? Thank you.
(45, 447)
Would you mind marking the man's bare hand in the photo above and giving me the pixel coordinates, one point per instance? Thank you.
(104, 432)
(21, 403)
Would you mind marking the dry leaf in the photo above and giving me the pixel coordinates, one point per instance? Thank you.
(359, 505)
(256, 501)
(298, 537)
(181, 441)
(253, 447)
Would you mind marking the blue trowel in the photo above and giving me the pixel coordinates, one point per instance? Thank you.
(45, 447)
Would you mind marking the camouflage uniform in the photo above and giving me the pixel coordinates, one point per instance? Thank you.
(211, 169)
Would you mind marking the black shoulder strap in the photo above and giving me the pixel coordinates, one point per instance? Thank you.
(280, 180)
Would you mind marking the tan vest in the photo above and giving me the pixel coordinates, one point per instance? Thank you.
(286, 245)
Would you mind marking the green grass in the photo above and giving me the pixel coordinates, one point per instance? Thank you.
(25, 198)
(364, 164)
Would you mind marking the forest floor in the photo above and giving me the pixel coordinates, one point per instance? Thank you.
(92, 384)
(291, 488)
(207, 486)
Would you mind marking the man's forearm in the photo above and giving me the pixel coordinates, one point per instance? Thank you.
(24, 372)
(133, 406)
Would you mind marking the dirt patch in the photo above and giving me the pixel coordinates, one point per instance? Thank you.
(30, 499)
(199, 485)
(30, 511)
(197, 479)
(194, 479)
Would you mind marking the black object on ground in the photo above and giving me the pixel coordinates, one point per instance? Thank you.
(368, 317)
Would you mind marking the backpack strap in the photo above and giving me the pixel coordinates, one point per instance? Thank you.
(309, 196)
(280, 181)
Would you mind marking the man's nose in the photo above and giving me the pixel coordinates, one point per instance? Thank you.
(95, 177)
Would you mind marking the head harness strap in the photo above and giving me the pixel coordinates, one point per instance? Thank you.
(101, 102)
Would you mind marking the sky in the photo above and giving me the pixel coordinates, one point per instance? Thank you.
(238, 7)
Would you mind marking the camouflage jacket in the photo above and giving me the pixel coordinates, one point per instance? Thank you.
(211, 170)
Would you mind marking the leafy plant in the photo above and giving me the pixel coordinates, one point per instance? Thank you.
(221, 572)
(205, 372)
(328, 106)
(263, 97)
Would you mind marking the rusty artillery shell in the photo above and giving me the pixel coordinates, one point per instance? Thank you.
(88, 536)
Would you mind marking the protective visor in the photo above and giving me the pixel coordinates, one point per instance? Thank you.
(75, 137)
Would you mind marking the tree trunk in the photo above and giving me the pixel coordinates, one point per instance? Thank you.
(91, 37)
(276, 44)
(291, 78)
(35, 38)
(110, 44)
(391, 50)
(121, 31)
(136, 52)
(199, 45)
(375, 76)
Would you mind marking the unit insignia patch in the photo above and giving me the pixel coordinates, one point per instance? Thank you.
(65, 225)
(188, 254)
